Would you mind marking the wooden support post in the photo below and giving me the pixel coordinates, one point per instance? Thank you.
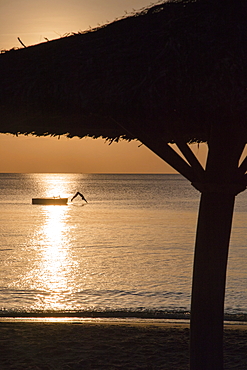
(191, 158)
(211, 251)
(209, 275)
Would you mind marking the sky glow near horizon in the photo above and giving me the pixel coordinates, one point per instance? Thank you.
(34, 22)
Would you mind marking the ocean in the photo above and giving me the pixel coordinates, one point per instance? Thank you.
(128, 252)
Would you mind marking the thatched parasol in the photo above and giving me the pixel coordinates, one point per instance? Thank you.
(173, 73)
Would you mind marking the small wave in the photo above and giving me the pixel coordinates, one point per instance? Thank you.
(104, 313)
(140, 313)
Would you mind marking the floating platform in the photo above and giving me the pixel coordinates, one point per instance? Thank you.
(50, 201)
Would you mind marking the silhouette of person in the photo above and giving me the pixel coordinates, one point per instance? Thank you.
(80, 194)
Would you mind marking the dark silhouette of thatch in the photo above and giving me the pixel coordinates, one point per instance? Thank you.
(175, 72)
(172, 69)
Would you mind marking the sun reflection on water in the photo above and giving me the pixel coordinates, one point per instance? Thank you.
(55, 264)
(53, 185)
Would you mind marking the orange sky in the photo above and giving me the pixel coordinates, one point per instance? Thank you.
(33, 21)
(28, 154)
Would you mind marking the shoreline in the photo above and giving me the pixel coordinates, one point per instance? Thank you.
(228, 324)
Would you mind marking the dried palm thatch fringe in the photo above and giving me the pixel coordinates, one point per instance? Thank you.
(174, 69)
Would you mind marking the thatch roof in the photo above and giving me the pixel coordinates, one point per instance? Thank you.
(174, 69)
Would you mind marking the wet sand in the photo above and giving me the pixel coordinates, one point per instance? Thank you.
(104, 345)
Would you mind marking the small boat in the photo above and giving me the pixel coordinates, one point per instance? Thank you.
(50, 201)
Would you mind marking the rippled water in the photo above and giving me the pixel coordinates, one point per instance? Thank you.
(129, 249)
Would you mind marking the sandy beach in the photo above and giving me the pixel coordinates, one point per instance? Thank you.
(104, 345)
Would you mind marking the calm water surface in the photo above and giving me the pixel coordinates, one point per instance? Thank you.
(128, 250)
